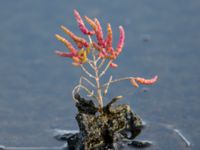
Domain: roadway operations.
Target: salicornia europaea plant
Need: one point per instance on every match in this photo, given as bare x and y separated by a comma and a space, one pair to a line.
98, 54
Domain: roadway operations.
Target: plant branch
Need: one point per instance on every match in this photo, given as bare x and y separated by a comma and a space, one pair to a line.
106, 68
86, 71
107, 86
97, 78
90, 62
117, 80
74, 91
101, 64
98, 59
99, 95
88, 81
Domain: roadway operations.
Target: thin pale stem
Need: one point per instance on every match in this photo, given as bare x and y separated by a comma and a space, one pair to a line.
106, 68
98, 59
90, 39
93, 50
88, 81
101, 64
107, 86
96, 77
117, 80
94, 56
87, 72
90, 62
90, 93
99, 95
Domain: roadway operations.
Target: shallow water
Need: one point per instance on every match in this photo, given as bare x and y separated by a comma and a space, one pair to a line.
162, 37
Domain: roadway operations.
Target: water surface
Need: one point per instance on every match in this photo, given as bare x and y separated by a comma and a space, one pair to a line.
35, 85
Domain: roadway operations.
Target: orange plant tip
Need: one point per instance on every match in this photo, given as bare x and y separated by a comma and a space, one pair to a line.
108, 41
76, 64
80, 42
76, 59
62, 27
147, 81
91, 23
57, 36
81, 24
61, 39
66, 43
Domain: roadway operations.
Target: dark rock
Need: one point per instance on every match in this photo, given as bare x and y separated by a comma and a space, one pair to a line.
140, 144
110, 129
85, 106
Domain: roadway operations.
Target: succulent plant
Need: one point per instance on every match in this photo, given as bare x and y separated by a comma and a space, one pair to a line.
99, 53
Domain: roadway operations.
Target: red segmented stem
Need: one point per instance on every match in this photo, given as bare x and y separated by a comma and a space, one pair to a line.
80, 42
98, 30
67, 44
146, 81
64, 54
81, 24
121, 40
109, 37
97, 47
99, 33
91, 23
103, 54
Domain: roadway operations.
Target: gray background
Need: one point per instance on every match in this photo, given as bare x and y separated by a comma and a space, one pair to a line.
35, 85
